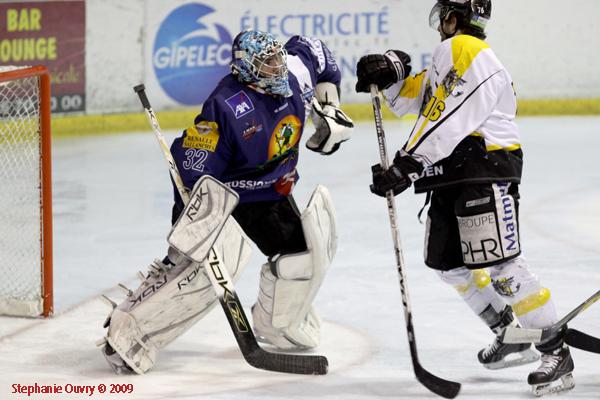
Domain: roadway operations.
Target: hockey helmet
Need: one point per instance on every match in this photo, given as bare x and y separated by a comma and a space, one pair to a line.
473, 14
258, 59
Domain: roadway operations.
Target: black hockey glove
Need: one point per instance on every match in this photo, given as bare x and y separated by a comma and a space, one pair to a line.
382, 70
398, 177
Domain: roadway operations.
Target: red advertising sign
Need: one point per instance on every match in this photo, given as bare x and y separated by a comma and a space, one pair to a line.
49, 33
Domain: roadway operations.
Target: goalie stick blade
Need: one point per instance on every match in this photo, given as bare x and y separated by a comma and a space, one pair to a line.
255, 355
439, 386
287, 363
582, 341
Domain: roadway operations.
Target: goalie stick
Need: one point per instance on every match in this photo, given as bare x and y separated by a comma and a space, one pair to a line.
223, 286
437, 385
572, 337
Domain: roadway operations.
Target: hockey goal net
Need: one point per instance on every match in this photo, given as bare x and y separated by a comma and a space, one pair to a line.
25, 197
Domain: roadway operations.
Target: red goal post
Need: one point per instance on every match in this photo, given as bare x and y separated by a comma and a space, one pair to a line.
26, 195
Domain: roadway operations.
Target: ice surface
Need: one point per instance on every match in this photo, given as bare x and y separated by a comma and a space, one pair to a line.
112, 201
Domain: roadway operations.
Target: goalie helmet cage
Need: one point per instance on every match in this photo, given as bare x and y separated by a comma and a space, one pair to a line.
26, 195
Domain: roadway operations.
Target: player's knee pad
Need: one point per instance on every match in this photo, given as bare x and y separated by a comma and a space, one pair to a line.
169, 301
283, 314
474, 286
519, 287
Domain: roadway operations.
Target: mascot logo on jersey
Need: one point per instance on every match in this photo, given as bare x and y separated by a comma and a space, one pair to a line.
506, 287
452, 81
285, 138
190, 49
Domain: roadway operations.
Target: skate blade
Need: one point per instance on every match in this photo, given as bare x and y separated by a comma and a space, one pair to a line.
513, 360
566, 382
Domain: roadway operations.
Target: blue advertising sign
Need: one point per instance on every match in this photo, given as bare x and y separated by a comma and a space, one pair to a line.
191, 53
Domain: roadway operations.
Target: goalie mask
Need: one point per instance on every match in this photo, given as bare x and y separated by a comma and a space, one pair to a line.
471, 14
260, 60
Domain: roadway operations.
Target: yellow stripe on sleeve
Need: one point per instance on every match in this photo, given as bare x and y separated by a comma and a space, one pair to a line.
412, 86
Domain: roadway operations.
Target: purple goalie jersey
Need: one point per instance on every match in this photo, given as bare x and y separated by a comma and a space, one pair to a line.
249, 140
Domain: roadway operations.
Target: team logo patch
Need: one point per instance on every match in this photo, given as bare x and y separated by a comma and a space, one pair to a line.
251, 130
204, 136
452, 81
506, 286
285, 137
240, 104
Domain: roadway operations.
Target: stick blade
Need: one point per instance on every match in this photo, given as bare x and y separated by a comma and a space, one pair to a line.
439, 386
582, 341
288, 363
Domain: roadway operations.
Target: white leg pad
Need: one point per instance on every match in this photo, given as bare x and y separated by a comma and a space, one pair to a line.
519, 287
474, 286
170, 301
283, 314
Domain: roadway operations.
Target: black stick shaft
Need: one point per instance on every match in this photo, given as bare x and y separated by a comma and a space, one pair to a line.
141, 91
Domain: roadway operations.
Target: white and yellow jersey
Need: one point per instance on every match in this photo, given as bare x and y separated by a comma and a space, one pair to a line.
465, 100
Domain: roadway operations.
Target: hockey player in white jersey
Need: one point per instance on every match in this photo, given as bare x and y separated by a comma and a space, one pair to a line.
465, 153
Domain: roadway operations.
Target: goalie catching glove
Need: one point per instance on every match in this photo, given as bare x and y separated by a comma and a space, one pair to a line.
332, 125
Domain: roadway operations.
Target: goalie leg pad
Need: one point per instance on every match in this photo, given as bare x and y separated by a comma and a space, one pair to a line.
170, 301
283, 314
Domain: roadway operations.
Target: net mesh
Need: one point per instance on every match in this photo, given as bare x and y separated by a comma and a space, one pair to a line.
20, 195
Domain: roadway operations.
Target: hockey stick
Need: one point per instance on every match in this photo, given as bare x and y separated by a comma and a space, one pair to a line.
223, 286
541, 336
437, 385
582, 341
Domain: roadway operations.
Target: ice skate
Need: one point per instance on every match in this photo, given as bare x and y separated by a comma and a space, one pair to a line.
115, 361
554, 375
500, 355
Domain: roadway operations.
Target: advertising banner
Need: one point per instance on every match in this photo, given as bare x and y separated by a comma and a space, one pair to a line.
188, 43
52, 34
